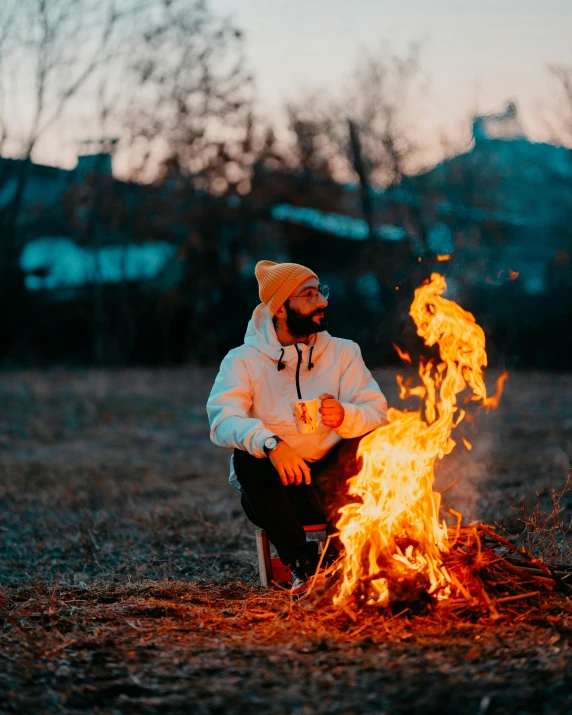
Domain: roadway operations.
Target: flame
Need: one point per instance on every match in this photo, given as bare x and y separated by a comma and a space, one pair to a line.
392, 532
467, 444
493, 400
402, 354
502, 277
444, 257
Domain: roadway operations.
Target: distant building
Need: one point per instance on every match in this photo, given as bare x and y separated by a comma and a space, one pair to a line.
507, 202
45, 188
59, 264
505, 125
51, 228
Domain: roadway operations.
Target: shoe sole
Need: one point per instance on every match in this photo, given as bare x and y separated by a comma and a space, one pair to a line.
299, 590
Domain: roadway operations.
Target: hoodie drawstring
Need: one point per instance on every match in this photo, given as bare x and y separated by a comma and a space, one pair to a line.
298, 372
281, 366
310, 363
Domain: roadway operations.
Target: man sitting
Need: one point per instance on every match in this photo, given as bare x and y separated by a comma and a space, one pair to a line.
288, 479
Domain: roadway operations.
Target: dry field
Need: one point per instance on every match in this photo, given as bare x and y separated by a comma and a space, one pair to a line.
128, 580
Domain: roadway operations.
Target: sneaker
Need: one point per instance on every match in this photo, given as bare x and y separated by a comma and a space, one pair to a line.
299, 580
304, 567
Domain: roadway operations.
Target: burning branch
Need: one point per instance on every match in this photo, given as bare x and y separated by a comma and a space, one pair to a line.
486, 572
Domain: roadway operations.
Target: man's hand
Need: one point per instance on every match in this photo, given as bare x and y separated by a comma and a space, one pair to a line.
291, 468
332, 411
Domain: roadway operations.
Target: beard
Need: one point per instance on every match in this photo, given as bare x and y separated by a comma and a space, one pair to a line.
302, 325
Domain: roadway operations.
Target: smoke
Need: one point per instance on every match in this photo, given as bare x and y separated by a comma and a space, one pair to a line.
470, 470
521, 451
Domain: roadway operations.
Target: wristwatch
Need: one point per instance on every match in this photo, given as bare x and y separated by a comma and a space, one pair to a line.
271, 443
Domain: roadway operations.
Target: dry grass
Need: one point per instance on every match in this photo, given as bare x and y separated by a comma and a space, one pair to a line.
129, 581
548, 533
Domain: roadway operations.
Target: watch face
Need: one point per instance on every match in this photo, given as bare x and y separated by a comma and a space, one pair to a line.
270, 443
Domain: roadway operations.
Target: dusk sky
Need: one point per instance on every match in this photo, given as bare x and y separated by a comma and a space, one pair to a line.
477, 53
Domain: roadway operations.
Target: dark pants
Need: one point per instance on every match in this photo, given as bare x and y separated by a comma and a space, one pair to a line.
282, 511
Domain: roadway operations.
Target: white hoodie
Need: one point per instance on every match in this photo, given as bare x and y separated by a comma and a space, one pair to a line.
250, 399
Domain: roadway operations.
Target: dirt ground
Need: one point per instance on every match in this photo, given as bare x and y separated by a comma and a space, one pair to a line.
128, 579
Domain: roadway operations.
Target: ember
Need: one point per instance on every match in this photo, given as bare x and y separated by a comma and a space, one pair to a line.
396, 544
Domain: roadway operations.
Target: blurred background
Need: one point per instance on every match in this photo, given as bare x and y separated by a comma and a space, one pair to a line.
152, 151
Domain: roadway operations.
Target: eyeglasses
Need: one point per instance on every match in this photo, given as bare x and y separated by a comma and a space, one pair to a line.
311, 294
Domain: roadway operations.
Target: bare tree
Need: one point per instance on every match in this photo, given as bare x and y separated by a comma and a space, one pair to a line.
380, 101
57, 49
8, 14
186, 123
559, 123
318, 142
560, 175
192, 96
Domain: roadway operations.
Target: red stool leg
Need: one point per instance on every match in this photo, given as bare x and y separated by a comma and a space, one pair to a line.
264, 560
272, 569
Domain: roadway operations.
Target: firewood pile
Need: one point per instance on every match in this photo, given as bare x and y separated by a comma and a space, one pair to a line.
490, 576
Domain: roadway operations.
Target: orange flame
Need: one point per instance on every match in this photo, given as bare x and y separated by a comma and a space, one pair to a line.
392, 532
493, 400
402, 354
467, 444
444, 257
513, 275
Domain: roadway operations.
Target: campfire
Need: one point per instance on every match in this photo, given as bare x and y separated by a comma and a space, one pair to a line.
399, 551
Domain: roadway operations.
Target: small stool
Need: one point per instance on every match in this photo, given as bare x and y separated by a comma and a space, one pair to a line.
272, 569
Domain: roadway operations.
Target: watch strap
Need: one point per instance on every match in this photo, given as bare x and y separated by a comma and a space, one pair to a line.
265, 448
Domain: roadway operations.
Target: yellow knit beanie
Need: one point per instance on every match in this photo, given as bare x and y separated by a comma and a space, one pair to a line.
277, 281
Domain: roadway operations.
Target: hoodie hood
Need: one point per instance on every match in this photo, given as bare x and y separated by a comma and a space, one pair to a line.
260, 334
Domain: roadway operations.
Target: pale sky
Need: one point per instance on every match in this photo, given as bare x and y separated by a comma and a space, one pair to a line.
477, 53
